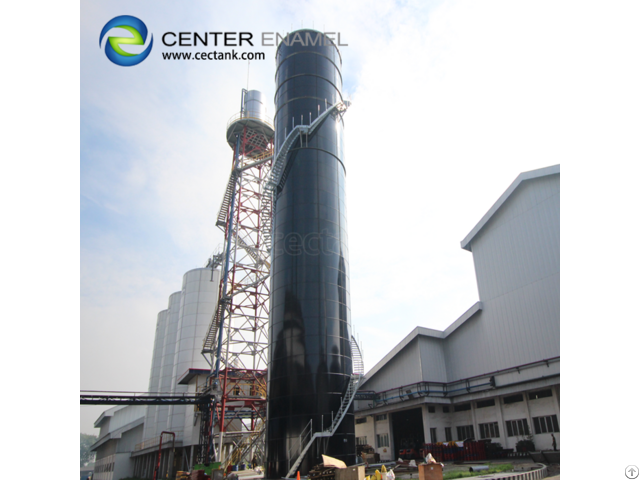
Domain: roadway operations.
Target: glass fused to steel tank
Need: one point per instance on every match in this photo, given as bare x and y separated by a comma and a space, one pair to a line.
310, 326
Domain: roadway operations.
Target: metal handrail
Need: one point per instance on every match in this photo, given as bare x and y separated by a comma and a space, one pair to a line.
245, 115
345, 403
302, 439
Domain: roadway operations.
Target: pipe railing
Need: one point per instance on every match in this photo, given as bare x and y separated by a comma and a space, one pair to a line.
248, 116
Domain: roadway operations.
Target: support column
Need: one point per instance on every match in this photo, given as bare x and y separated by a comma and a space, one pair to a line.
525, 396
170, 468
556, 396
426, 424
556, 404
392, 444
474, 422
375, 434
503, 425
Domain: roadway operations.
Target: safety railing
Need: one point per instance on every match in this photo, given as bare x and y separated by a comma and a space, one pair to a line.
248, 116
304, 439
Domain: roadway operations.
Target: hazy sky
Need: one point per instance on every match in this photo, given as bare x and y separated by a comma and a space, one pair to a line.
451, 101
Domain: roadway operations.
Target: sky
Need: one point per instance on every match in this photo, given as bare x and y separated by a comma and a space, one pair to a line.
451, 100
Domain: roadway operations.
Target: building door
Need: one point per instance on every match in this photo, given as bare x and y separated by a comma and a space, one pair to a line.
408, 433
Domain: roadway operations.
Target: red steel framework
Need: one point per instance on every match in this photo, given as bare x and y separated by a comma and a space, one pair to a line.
236, 345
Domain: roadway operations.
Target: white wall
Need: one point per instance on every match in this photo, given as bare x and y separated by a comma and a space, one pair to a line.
438, 420
199, 297
154, 376
499, 412
381, 427
403, 369
432, 357
168, 353
125, 416
517, 262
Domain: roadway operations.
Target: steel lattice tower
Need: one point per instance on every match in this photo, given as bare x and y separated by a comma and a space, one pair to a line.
236, 344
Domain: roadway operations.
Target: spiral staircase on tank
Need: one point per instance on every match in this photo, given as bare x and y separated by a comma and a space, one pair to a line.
276, 177
274, 168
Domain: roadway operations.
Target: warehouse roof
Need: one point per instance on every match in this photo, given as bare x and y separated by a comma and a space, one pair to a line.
428, 332
116, 434
541, 172
106, 414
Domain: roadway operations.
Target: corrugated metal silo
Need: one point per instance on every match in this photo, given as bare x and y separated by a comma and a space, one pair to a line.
154, 377
168, 354
198, 302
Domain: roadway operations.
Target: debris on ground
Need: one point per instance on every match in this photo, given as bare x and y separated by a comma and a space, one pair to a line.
322, 472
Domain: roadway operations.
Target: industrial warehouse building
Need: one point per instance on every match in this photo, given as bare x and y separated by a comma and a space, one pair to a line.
120, 430
494, 373
177, 367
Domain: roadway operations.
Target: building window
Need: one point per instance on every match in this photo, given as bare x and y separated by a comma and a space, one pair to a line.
431, 409
517, 428
548, 424
361, 440
485, 403
434, 437
361, 420
465, 431
382, 440
447, 434
512, 399
489, 430
462, 408
445, 409
540, 394
379, 418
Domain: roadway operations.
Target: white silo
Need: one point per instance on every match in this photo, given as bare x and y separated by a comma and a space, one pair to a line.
168, 353
199, 299
154, 376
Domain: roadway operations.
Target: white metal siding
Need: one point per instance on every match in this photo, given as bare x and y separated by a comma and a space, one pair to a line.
433, 359
404, 369
198, 301
126, 415
130, 439
168, 352
517, 261
154, 380
521, 242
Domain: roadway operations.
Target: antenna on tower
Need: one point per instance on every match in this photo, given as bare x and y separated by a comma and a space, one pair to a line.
248, 66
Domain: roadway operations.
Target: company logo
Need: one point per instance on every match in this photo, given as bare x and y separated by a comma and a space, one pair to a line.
112, 47
632, 472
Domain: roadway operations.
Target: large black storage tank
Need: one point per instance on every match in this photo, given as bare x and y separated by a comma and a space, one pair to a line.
310, 325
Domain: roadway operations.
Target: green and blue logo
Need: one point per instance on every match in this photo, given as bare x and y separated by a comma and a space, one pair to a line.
112, 48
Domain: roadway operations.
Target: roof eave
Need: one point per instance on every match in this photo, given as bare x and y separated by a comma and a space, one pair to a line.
541, 172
